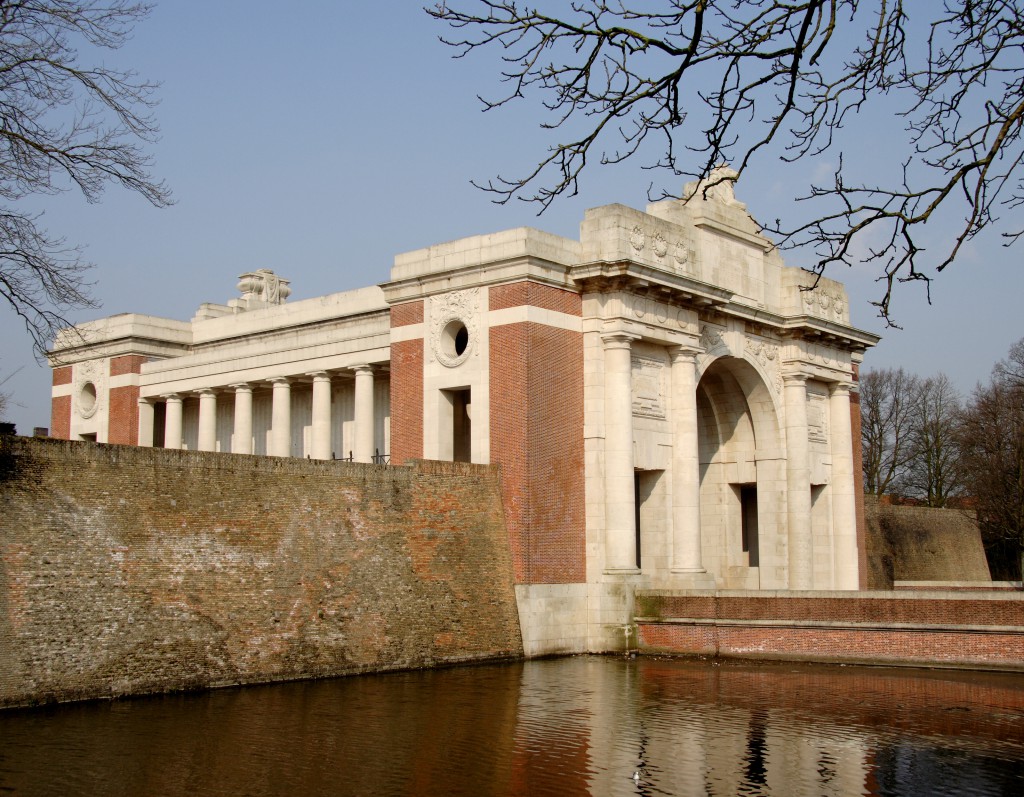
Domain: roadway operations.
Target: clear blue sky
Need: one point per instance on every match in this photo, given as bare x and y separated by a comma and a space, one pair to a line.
320, 139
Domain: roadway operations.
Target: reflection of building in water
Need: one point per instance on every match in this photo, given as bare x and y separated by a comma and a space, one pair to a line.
689, 728
669, 404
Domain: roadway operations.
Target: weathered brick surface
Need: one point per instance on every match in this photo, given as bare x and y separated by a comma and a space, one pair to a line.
405, 314
126, 364
406, 400
62, 376
123, 416
60, 417
536, 392
533, 294
127, 570
985, 632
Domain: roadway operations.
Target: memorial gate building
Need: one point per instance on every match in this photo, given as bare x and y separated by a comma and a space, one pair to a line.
669, 404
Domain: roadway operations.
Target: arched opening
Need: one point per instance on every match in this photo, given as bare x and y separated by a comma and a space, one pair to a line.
742, 475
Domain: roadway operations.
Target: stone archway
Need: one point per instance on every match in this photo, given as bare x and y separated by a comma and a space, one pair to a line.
742, 477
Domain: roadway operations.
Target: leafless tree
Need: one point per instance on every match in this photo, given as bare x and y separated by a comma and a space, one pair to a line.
887, 405
933, 473
64, 124
991, 439
688, 84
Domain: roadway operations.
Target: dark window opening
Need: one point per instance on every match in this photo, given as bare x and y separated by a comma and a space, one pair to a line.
748, 510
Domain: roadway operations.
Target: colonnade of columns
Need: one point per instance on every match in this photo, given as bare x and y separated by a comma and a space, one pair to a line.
686, 556
280, 442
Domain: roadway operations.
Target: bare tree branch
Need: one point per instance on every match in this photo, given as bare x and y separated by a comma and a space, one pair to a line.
64, 124
733, 80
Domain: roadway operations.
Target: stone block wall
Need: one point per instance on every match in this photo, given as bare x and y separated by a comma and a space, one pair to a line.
977, 631
131, 570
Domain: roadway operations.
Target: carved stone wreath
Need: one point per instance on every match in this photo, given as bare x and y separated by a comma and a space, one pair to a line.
460, 308
86, 377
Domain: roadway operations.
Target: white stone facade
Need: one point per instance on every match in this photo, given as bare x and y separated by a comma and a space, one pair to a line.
669, 404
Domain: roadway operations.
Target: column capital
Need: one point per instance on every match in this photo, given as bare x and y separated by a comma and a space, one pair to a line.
147, 400
683, 352
280, 380
241, 387
795, 379
839, 388
321, 375
365, 368
172, 397
207, 391
618, 339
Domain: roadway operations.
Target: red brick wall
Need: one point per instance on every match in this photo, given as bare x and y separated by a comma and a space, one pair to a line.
406, 400
126, 364
60, 417
123, 415
964, 631
516, 294
405, 314
62, 376
536, 418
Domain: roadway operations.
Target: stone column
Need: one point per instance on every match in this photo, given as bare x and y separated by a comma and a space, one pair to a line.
207, 420
281, 419
241, 439
321, 443
686, 546
364, 414
844, 496
172, 421
798, 484
146, 412
619, 504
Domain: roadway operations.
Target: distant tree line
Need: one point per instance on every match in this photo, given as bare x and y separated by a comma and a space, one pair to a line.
925, 443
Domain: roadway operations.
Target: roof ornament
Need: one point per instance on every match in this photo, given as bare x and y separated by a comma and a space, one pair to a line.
261, 288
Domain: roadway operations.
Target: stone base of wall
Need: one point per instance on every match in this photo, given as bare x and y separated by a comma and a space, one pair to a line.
553, 618
133, 570
930, 629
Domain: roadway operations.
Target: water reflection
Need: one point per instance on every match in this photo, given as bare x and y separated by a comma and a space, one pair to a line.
585, 725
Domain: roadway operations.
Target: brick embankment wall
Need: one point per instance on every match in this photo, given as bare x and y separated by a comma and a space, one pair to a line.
130, 570
979, 631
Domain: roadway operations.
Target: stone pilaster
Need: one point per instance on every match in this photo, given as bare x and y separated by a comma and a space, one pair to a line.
798, 484
686, 542
619, 500
844, 496
146, 422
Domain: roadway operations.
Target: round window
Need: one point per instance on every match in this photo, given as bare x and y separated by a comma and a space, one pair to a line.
454, 343
87, 399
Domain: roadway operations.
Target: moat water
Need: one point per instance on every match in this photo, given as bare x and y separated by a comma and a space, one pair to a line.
583, 725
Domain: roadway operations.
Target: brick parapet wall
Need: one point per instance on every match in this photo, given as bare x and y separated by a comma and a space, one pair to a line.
131, 570
922, 628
